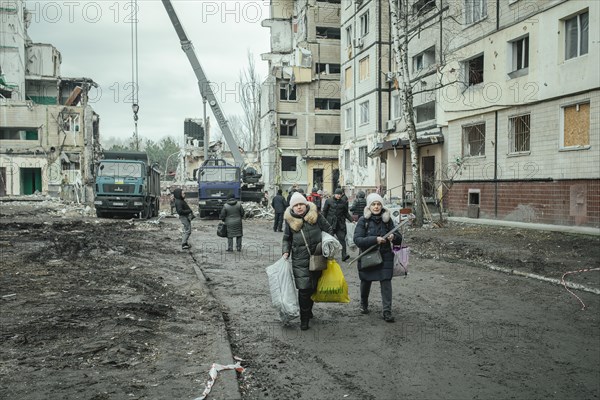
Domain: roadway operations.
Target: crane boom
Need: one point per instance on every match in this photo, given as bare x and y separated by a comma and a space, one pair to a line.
204, 85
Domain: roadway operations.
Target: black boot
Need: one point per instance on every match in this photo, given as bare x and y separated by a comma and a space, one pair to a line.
304, 321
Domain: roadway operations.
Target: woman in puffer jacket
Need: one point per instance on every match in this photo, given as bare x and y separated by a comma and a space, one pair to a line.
302, 217
373, 229
358, 205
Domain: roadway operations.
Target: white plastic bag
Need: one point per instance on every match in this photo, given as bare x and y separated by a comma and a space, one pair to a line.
350, 235
330, 245
283, 290
401, 256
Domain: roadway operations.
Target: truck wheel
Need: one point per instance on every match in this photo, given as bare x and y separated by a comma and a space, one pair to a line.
156, 208
99, 214
146, 212
201, 213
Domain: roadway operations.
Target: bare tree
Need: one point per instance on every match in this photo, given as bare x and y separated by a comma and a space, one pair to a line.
406, 26
250, 98
240, 132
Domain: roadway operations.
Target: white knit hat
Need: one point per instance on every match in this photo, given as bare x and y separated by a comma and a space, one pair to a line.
373, 197
297, 198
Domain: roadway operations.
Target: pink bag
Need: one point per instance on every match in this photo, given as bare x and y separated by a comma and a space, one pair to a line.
401, 254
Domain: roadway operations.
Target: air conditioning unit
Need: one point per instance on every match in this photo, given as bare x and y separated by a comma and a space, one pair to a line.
358, 42
390, 125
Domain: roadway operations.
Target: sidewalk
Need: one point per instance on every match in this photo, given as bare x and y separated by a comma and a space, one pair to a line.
526, 225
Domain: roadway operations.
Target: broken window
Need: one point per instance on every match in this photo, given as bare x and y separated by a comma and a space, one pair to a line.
288, 163
424, 59
423, 6
71, 123
327, 68
474, 70
327, 138
575, 127
519, 131
425, 112
327, 104
287, 127
474, 140
287, 91
19, 134
324, 32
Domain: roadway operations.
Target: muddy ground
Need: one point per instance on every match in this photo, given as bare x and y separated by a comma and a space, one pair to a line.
113, 309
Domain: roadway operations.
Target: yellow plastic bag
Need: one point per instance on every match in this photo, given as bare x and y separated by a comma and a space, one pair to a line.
332, 286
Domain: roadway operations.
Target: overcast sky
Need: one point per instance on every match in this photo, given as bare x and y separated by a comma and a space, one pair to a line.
94, 39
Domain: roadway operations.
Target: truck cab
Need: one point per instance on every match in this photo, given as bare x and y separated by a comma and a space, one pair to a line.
126, 185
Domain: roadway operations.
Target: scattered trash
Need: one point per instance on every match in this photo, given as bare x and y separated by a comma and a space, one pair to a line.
214, 372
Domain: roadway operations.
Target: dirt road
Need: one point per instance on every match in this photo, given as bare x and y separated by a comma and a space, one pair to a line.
113, 309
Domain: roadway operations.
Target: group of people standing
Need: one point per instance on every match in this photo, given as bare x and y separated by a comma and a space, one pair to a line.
302, 233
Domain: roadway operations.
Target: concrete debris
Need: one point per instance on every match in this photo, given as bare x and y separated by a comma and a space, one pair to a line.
255, 210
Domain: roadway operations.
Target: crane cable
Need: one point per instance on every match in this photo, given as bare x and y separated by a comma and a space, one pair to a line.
134, 70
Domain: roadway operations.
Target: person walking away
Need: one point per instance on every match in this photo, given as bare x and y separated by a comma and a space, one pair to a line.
315, 197
232, 214
301, 217
371, 229
279, 205
358, 205
292, 190
336, 212
186, 215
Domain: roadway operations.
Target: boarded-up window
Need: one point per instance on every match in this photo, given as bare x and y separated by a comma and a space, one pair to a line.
348, 78
576, 125
363, 68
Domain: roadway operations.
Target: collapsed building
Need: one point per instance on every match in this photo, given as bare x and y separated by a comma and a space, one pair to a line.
49, 134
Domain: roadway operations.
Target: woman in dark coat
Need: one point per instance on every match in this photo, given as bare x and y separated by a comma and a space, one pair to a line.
232, 214
302, 217
358, 205
372, 229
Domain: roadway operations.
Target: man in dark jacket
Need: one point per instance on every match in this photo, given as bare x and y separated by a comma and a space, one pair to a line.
186, 215
358, 206
336, 212
232, 214
279, 205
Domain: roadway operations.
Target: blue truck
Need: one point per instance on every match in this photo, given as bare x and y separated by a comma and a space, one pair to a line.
217, 180
126, 184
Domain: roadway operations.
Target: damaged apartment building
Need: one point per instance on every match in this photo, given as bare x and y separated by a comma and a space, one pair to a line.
300, 101
48, 131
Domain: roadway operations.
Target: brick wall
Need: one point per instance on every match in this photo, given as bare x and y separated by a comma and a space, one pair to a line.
567, 202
